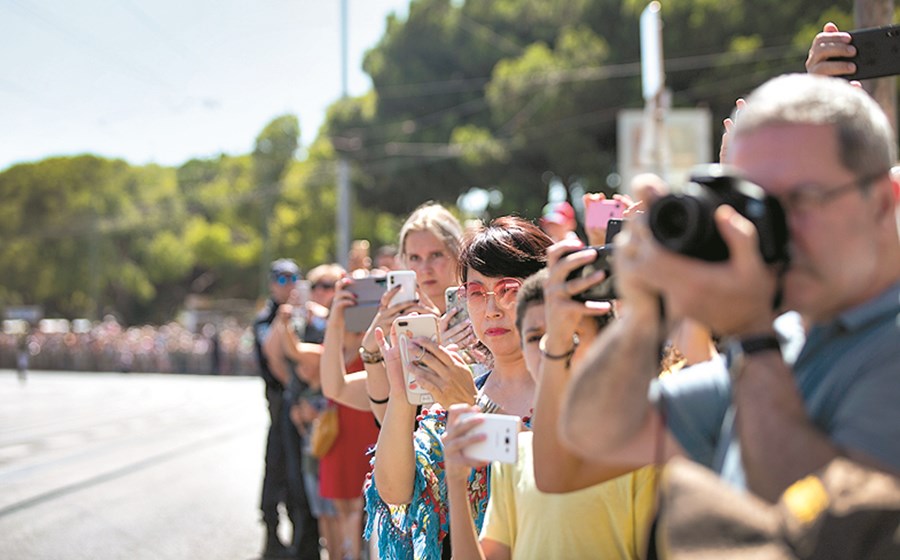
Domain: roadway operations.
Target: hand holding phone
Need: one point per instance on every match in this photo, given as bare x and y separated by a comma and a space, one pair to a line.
501, 433
407, 328
406, 279
598, 213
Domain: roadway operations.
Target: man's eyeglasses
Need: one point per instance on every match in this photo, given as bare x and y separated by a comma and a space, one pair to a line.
285, 279
475, 294
809, 197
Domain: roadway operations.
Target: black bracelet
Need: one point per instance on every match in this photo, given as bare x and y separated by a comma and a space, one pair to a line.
740, 349
379, 401
542, 345
760, 343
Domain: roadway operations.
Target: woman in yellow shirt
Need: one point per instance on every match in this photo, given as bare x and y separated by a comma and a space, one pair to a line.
606, 520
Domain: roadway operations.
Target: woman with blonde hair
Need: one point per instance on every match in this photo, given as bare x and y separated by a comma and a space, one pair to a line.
429, 244
407, 502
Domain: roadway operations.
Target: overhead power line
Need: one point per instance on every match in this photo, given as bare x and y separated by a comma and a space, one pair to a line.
392, 131
620, 70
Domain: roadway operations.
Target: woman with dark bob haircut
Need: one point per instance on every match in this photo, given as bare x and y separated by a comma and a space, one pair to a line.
407, 499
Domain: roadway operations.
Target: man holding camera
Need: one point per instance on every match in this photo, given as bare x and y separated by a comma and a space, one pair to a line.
824, 150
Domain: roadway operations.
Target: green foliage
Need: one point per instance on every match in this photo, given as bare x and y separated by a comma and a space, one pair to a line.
502, 93
166, 257
86, 235
74, 229
274, 150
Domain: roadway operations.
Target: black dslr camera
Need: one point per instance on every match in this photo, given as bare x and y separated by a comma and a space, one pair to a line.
684, 223
605, 290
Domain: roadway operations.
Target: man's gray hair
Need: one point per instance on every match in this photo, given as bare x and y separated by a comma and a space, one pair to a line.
865, 137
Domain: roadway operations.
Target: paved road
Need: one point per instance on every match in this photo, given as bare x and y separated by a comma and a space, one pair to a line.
109, 466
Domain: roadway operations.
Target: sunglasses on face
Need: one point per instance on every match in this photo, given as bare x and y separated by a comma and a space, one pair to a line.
323, 286
475, 294
285, 279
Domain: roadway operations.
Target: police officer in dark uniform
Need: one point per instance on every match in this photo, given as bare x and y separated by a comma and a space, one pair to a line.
280, 484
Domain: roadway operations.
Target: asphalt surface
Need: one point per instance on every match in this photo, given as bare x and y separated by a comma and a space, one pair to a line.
131, 466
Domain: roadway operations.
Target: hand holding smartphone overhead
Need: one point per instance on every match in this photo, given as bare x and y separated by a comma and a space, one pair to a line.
407, 328
406, 279
598, 213
877, 52
501, 438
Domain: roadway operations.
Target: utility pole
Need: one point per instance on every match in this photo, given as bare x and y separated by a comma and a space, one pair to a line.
876, 13
653, 150
342, 244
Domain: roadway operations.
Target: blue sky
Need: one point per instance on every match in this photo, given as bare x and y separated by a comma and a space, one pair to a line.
167, 80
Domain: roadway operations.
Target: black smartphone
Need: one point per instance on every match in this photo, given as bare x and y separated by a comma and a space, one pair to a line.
604, 291
613, 227
877, 52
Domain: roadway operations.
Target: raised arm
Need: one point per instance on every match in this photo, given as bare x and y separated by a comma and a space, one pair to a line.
607, 416
394, 471
464, 537
376, 381
337, 385
305, 355
556, 468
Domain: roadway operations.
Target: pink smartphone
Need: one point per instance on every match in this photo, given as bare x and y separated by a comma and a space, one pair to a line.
598, 213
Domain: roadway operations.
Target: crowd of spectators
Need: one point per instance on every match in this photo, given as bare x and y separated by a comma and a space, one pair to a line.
109, 346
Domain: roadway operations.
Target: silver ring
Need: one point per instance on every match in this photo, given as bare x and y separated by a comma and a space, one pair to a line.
419, 358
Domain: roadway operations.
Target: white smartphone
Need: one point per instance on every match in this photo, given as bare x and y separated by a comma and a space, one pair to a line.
408, 327
502, 442
406, 279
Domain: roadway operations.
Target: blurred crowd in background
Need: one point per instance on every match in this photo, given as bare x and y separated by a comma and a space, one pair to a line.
81, 345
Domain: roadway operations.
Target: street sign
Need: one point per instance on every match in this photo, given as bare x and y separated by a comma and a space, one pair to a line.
688, 142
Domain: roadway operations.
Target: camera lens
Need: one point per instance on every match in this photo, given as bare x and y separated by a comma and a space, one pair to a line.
685, 222
674, 218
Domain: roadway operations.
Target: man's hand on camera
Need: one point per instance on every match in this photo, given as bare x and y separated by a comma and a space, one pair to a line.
730, 297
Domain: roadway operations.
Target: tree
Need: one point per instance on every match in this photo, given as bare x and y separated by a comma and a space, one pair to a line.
72, 227
274, 152
499, 94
